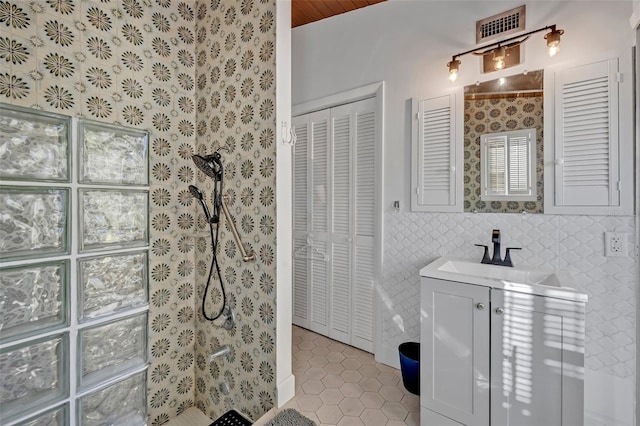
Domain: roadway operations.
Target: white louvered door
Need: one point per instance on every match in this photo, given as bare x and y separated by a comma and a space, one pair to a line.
341, 209
436, 155
586, 135
364, 236
310, 220
339, 186
300, 222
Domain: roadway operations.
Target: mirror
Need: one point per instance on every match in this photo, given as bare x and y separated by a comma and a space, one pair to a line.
503, 105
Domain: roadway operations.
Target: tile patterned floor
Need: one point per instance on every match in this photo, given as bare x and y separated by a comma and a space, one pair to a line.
337, 384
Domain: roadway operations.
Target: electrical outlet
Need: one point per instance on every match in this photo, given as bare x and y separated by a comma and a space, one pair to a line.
615, 244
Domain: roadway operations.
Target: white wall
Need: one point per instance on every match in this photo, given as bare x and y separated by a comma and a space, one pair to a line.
407, 44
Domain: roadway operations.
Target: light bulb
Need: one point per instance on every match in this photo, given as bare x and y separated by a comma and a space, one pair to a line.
453, 69
498, 57
553, 40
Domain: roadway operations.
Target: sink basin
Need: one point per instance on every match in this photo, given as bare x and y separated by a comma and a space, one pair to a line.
538, 281
502, 273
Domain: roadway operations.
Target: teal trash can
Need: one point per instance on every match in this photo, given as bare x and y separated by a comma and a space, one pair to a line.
410, 366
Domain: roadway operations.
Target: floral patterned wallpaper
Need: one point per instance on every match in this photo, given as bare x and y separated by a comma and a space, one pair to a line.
500, 114
235, 79
186, 71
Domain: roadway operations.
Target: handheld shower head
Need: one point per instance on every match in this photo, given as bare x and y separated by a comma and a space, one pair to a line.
197, 194
210, 165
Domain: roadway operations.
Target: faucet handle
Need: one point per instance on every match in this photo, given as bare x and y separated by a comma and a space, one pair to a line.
485, 256
507, 256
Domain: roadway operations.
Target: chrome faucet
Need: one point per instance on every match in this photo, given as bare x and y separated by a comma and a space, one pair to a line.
497, 259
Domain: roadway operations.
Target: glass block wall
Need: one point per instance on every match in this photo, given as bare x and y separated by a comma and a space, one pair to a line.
73, 270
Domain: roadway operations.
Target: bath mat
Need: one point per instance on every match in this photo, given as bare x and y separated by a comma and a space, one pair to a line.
290, 417
231, 418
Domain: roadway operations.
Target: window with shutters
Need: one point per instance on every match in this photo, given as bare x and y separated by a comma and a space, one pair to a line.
508, 162
436, 155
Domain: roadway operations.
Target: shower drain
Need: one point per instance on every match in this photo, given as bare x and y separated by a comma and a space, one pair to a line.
231, 418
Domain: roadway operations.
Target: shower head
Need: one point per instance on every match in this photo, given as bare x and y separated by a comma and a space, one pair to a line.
210, 165
197, 194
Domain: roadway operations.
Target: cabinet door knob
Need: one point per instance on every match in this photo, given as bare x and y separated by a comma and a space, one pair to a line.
480, 306
499, 311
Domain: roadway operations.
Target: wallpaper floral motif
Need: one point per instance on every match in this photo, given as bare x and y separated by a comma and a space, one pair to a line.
495, 115
184, 70
235, 111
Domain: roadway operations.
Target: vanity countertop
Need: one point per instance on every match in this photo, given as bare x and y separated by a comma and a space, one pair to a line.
541, 282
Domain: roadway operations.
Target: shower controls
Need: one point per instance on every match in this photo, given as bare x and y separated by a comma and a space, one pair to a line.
219, 352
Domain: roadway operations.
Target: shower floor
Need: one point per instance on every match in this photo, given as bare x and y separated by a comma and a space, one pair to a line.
337, 384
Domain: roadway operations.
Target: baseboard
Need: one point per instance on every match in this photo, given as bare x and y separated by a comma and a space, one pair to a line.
388, 356
608, 400
286, 390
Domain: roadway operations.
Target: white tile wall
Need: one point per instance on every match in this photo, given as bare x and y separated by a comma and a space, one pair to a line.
572, 243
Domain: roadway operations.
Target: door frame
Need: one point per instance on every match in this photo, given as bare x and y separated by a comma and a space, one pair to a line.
376, 91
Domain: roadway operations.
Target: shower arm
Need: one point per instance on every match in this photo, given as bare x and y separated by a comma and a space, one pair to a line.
246, 257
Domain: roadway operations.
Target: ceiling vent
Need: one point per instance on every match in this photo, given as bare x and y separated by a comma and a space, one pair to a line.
500, 25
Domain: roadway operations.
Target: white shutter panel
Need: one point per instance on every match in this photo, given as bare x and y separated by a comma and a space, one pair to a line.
319, 286
301, 266
587, 136
365, 172
300, 283
318, 238
341, 212
319, 183
363, 254
519, 160
341, 293
495, 170
341, 158
436, 134
363, 292
300, 174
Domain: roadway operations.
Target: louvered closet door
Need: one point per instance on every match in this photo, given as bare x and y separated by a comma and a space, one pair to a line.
301, 265
319, 222
587, 135
310, 221
341, 209
352, 218
364, 225
333, 295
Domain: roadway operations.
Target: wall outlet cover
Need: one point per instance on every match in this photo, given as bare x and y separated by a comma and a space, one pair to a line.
615, 244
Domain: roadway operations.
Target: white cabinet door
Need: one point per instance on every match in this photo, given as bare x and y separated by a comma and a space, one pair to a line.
437, 154
537, 358
587, 166
454, 353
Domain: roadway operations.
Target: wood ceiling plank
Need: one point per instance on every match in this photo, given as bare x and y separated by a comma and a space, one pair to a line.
307, 11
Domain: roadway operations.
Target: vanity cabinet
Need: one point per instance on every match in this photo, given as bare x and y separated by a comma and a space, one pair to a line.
498, 357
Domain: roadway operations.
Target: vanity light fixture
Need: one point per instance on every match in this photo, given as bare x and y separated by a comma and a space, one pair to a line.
499, 51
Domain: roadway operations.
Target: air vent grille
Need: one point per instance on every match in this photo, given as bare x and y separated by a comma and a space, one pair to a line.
502, 24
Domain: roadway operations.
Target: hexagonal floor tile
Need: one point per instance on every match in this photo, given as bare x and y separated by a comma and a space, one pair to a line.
391, 393
394, 410
309, 403
351, 390
371, 400
351, 407
372, 417
329, 414
332, 396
